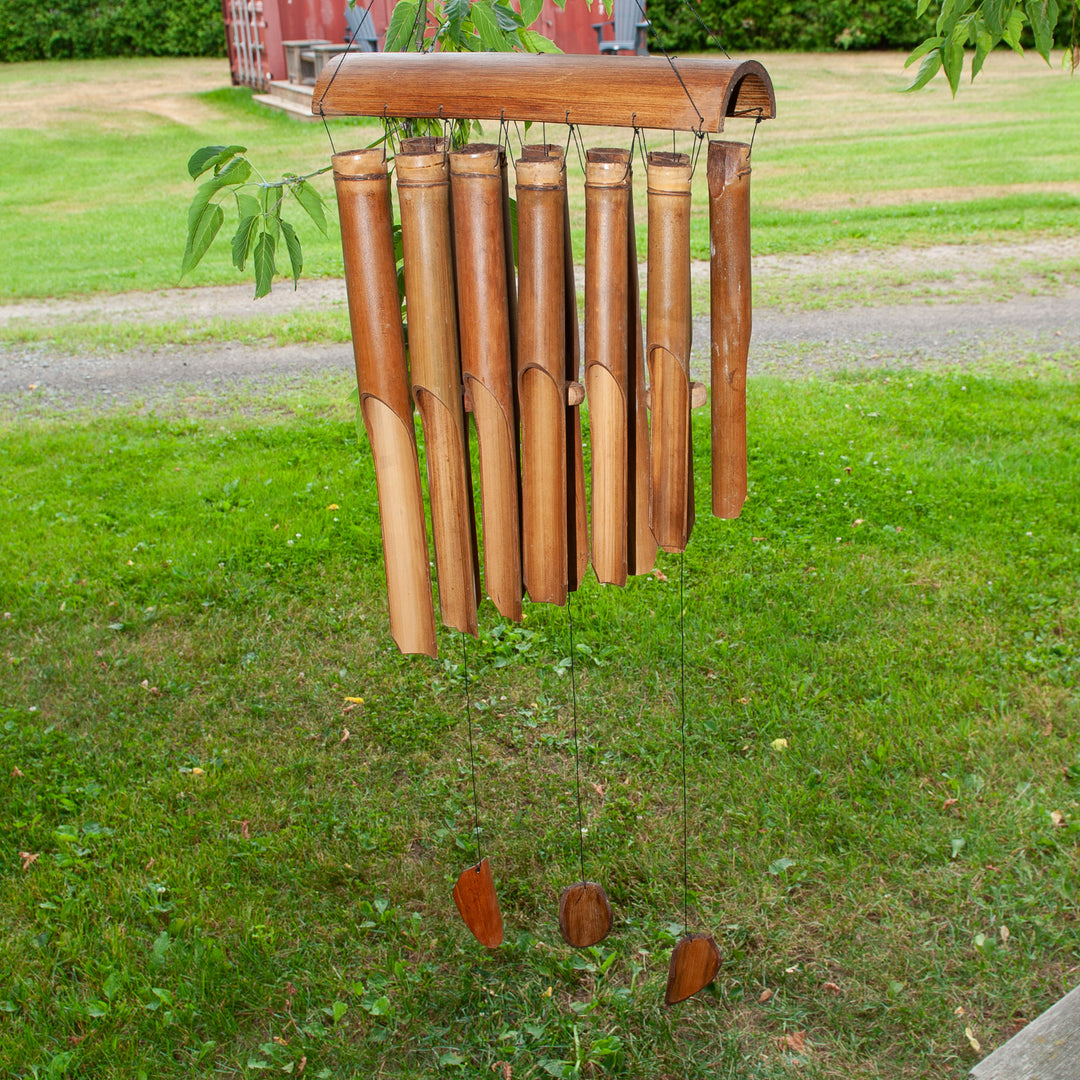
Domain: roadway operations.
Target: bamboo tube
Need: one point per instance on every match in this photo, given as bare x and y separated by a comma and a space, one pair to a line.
668, 333
424, 199
608, 345
478, 175
363, 193
641, 544
541, 193
730, 320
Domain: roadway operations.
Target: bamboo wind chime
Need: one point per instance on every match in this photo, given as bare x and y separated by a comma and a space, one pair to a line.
503, 345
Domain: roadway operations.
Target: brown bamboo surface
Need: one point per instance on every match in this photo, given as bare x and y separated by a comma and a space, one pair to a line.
608, 354
668, 333
423, 180
730, 320
541, 194
695, 960
363, 193
484, 303
476, 900
622, 91
585, 916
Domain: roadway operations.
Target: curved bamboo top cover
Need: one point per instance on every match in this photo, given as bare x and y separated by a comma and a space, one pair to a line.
363, 187
730, 319
485, 290
619, 91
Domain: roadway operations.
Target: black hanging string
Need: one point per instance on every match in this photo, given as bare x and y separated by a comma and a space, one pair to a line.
333, 76
671, 60
706, 28
682, 710
577, 754
472, 757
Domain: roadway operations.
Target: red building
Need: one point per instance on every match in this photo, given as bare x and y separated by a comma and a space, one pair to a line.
256, 30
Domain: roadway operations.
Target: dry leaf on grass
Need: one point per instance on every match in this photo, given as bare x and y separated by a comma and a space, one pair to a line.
345, 736
29, 858
16, 773
972, 1041
796, 1041
1058, 818
504, 1066
765, 995
831, 987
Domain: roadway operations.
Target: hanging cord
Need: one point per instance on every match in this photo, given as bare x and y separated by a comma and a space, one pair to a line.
671, 60
682, 709
753, 134
707, 29
333, 76
577, 754
472, 757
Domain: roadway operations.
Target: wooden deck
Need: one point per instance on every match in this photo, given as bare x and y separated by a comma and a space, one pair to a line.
1047, 1049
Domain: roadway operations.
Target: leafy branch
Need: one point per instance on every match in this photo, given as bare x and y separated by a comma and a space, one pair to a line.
261, 226
985, 24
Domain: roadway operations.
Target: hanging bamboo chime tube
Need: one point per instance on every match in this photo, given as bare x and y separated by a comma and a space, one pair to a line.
730, 319
550, 450
485, 293
363, 193
668, 332
423, 181
609, 353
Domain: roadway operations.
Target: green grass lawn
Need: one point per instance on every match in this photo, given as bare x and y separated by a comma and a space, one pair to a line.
220, 881
98, 194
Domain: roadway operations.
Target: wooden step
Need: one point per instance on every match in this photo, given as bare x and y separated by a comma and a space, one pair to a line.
285, 105
295, 92
1047, 1049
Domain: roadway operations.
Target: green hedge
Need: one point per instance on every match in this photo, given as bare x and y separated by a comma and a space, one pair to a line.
747, 25
65, 29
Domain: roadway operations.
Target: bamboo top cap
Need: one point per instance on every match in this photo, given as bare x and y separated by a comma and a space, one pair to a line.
669, 173
607, 168
541, 172
360, 164
477, 158
422, 160
622, 91
728, 161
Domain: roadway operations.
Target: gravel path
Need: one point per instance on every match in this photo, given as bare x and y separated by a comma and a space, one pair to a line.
1023, 329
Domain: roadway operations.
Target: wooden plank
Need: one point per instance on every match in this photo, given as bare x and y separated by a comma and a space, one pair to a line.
621, 91
1047, 1049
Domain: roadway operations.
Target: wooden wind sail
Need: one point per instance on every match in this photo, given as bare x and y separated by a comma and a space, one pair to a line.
423, 183
363, 192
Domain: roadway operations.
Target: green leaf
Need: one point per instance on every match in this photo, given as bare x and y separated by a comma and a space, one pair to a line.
265, 267
953, 61
450, 1060
1012, 30
201, 237
211, 157
535, 42
951, 10
509, 20
1043, 15
921, 50
312, 202
994, 13
244, 238
530, 11
780, 866
487, 25
113, 984
455, 12
920, 10
399, 29
296, 259
930, 66
984, 42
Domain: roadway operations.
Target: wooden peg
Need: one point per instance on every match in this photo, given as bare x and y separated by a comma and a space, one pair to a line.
478, 904
695, 960
575, 394
585, 916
